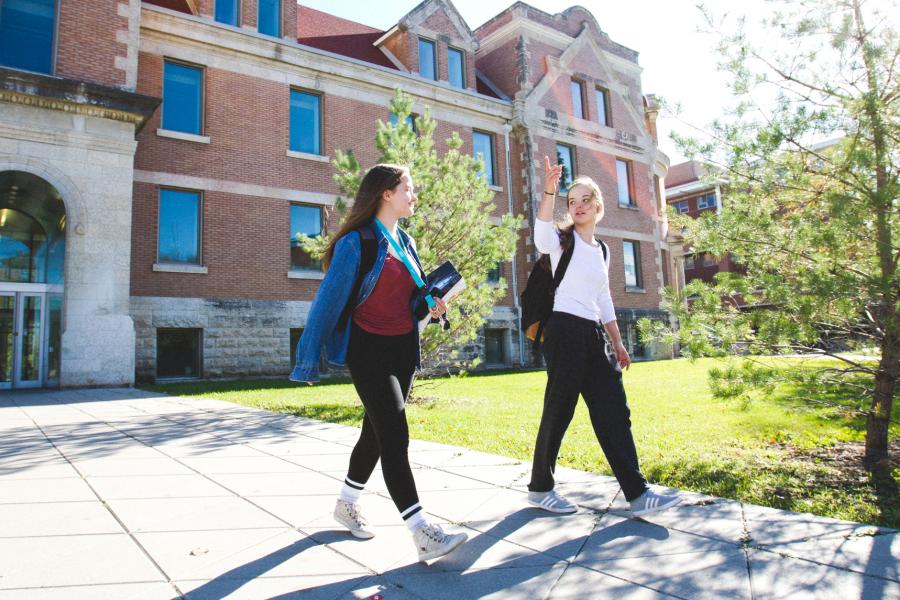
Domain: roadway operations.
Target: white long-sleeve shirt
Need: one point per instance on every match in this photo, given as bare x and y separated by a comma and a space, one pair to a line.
584, 290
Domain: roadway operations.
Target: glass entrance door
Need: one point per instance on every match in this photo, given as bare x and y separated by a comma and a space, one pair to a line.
7, 339
21, 339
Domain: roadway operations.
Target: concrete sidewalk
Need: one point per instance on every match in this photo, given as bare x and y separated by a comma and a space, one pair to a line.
119, 493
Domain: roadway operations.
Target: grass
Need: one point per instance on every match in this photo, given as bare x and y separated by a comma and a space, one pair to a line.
776, 452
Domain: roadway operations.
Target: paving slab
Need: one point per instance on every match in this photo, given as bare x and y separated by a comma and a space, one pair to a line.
669, 561
157, 486
877, 555
776, 577
61, 489
70, 560
56, 518
244, 554
191, 514
109, 591
317, 587
577, 581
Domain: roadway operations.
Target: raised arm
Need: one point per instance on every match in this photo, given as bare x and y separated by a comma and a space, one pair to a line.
546, 240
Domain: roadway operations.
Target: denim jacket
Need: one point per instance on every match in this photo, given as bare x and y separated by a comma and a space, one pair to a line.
322, 322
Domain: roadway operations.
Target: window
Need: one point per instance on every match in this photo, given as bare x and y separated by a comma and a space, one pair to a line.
227, 11
565, 156
706, 201
709, 260
179, 227
427, 59
456, 67
495, 274
632, 264
269, 17
688, 262
603, 112
483, 144
682, 206
623, 179
26, 34
306, 122
577, 98
177, 353
182, 98
410, 120
306, 220
495, 346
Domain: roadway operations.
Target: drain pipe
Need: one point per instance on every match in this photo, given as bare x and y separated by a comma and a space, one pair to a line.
515, 271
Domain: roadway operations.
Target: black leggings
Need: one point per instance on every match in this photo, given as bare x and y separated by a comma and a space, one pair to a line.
577, 365
383, 368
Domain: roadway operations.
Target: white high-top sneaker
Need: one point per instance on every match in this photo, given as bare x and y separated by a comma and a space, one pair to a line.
348, 515
431, 541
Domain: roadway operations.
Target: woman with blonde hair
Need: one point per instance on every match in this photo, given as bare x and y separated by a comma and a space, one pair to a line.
364, 314
575, 353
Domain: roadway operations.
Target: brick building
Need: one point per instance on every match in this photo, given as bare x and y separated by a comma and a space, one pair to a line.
689, 191
158, 157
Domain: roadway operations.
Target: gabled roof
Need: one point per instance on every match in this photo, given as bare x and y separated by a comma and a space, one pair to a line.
179, 5
341, 36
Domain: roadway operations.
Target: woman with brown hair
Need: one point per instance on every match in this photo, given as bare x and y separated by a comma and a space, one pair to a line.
366, 321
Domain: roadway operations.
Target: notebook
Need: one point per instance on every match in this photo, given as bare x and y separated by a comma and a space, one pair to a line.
445, 283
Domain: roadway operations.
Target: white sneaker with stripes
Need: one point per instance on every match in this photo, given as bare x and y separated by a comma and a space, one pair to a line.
348, 515
551, 502
651, 502
432, 541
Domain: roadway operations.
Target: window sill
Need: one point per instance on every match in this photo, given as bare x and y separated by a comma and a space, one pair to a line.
634, 290
181, 135
308, 156
172, 268
302, 274
495, 188
630, 206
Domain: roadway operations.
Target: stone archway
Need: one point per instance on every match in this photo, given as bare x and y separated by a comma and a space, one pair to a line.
32, 267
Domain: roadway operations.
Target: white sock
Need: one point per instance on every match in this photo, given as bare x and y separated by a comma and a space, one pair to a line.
414, 517
351, 491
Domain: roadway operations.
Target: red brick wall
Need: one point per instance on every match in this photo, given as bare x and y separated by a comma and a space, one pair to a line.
86, 43
239, 244
500, 66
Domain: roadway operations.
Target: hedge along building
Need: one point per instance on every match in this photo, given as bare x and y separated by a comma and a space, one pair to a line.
68, 116
256, 97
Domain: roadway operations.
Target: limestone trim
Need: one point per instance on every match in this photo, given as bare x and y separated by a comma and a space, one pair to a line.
68, 139
173, 268
421, 13
559, 67
181, 135
76, 209
78, 97
520, 25
70, 107
232, 187
131, 9
304, 274
308, 156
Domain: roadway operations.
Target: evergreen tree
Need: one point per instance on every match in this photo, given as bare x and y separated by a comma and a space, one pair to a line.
814, 225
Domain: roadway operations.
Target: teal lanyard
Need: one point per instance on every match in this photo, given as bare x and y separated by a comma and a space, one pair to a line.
404, 256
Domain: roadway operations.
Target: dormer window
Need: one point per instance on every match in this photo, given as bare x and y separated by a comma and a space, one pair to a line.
427, 59
456, 67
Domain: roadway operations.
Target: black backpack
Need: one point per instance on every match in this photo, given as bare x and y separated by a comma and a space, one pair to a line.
537, 297
369, 247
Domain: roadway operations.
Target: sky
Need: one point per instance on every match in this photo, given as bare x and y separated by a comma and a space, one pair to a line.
679, 63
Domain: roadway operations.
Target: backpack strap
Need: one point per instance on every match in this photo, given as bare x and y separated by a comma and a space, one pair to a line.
369, 252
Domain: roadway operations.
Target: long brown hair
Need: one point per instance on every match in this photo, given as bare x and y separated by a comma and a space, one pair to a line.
375, 183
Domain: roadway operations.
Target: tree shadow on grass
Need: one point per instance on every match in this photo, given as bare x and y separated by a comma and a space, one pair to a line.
342, 414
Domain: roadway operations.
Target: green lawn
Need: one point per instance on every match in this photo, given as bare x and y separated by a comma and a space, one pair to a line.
772, 452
